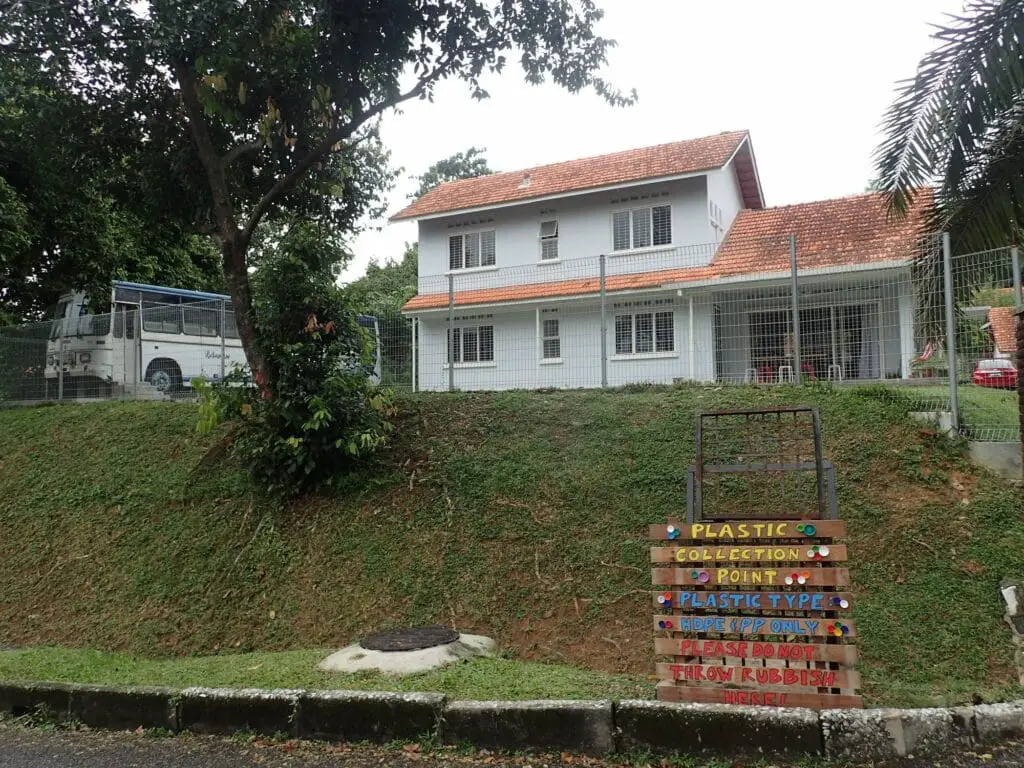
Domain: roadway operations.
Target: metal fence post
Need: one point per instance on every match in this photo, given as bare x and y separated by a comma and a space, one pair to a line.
60, 362
451, 333
947, 269
223, 331
1018, 292
604, 323
794, 288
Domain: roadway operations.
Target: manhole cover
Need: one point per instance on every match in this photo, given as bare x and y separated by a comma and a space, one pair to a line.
411, 639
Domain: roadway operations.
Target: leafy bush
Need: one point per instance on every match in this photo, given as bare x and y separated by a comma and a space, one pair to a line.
322, 415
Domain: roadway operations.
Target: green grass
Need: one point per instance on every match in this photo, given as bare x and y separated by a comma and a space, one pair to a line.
517, 515
987, 414
479, 679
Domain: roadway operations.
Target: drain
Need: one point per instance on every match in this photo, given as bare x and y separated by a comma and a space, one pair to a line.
411, 639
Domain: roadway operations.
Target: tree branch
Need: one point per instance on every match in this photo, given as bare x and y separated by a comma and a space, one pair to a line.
242, 149
342, 132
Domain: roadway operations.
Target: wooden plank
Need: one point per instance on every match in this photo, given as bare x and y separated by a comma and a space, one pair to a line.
750, 577
754, 649
752, 600
759, 677
748, 553
750, 530
783, 626
669, 691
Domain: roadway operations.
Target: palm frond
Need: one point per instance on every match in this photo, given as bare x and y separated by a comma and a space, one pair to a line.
934, 128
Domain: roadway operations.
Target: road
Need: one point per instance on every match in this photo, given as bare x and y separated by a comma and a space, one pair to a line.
47, 748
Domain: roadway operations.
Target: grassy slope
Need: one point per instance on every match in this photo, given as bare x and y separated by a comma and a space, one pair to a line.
518, 515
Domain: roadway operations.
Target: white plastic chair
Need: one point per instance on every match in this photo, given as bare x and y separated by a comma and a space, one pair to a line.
785, 374
751, 375
835, 372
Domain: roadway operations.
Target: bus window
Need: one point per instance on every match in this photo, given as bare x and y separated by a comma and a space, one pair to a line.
88, 324
59, 318
161, 318
200, 320
230, 329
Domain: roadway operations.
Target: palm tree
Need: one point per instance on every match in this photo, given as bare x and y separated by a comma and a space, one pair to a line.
959, 125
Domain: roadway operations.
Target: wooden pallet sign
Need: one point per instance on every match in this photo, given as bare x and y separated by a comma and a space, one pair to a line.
754, 612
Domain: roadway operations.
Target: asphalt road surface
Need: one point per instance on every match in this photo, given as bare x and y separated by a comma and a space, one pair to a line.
44, 748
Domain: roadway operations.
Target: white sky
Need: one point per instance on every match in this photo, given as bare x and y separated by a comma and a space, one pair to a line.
810, 79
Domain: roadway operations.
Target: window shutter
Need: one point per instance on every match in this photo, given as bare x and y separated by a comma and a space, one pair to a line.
487, 250
620, 231
661, 217
472, 249
455, 252
641, 227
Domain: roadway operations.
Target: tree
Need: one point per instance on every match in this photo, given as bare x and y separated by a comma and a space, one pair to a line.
280, 98
461, 165
960, 122
382, 292
70, 215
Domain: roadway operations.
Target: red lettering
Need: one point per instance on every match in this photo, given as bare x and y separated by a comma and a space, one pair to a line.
747, 675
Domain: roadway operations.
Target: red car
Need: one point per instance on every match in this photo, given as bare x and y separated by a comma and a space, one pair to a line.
995, 373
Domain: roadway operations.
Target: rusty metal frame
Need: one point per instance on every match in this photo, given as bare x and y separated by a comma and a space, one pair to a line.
824, 471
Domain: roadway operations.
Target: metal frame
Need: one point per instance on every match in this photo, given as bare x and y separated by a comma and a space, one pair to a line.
828, 507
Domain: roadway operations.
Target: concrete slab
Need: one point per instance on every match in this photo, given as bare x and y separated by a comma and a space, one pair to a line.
124, 708
718, 729
996, 723
20, 699
355, 658
1001, 458
228, 710
368, 715
575, 726
883, 734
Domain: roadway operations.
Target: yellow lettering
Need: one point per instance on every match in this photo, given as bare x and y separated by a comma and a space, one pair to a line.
725, 532
680, 555
697, 530
744, 531
759, 530
770, 575
755, 577
721, 576
781, 530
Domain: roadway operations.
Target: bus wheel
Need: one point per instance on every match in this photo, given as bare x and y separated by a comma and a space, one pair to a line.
165, 376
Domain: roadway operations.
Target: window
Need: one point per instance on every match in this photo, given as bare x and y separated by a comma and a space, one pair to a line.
642, 227
124, 321
548, 240
158, 317
551, 344
472, 249
201, 321
644, 332
472, 344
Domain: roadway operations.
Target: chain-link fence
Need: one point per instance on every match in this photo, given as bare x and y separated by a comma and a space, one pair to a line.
934, 328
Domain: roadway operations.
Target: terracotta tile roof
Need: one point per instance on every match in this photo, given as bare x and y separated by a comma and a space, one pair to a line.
605, 170
849, 231
1004, 330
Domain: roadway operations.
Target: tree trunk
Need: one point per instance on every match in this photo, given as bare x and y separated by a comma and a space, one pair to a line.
236, 274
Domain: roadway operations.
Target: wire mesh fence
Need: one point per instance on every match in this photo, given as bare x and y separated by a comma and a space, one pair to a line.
934, 328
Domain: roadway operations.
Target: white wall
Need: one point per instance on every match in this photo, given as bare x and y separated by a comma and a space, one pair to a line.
585, 231
724, 191
517, 363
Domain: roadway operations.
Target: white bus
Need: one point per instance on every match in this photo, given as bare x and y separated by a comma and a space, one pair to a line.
182, 335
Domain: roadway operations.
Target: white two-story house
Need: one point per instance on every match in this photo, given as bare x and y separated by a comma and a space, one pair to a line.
656, 265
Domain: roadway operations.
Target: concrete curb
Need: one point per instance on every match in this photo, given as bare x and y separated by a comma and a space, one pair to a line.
592, 727
574, 726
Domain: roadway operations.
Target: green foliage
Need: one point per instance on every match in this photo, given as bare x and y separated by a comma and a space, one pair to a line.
323, 416
961, 120
240, 112
461, 165
382, 292
72, 214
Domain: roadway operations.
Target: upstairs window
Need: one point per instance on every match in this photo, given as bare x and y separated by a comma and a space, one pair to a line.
471, 250
549, 240
642, 227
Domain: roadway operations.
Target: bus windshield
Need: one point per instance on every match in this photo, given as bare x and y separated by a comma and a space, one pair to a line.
79, 321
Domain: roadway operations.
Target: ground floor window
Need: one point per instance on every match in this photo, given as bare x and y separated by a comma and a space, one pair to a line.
644, 332
472, 344
551, 342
